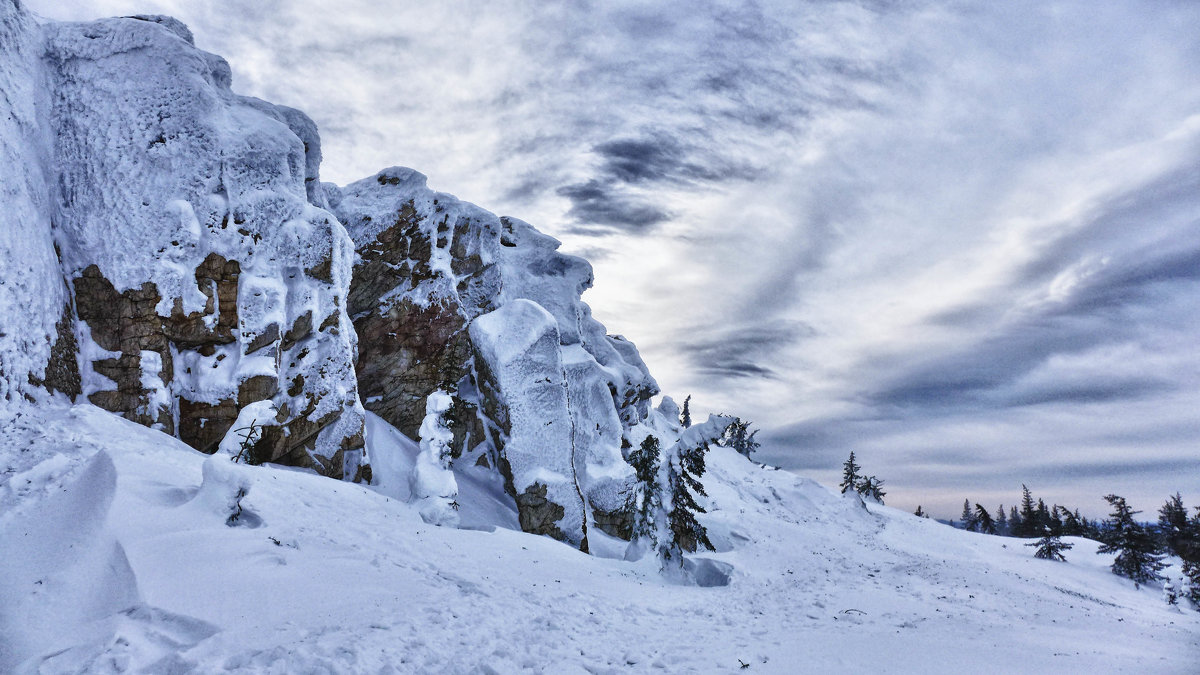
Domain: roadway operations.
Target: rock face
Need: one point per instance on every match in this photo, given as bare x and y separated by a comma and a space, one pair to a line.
447, 296
202, 271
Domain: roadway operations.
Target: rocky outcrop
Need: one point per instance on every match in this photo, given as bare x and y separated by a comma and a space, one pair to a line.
202, 271
447, 296
188, 272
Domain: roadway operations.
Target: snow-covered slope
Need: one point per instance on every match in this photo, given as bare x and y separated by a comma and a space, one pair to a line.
127, 562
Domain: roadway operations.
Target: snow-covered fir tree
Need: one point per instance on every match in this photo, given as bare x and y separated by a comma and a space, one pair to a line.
967, 517
1027, 525
739, 437
871, 488
645, 500
1189, 551
920, 513
1072, 525
1191, 582
850, 477
1056, 521
685, 415
1173, 524
1043, 517
1136, 550
684, 486
1001, 521
432, 483
1050, 547
666, 500
983, 520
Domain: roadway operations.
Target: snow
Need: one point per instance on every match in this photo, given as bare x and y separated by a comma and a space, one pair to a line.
431, 482
339, 577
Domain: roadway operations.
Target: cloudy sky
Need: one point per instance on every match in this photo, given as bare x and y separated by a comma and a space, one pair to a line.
959, 238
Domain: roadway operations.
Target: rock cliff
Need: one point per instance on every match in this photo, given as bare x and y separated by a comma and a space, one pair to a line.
448, 296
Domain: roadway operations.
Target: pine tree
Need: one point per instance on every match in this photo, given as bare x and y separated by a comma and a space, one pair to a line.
1190, 552
1056, 521
1137, 557
1001, 521
1173, 524
1050, 547
684, 485
850, 475
646, 499
871, 488
1029, 525
678, 482
968, 517
1191, 582
431, 482
685, 415
739, 437
920, 513
1014, 522
1071, 525
1043, 516
983, 520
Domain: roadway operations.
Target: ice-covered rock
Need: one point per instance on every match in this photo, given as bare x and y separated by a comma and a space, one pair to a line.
201, 272
448, 296
37, 342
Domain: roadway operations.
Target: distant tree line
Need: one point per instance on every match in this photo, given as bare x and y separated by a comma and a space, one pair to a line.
1140, 548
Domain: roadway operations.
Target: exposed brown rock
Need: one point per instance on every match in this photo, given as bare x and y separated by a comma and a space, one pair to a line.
62, 370
408, 350
263, 339
538, 515
256, 388
217, 279
128, 323
300, 329
203, 425
617, 523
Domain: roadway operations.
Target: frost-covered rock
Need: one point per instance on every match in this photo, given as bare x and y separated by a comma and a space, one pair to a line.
202, 271
37, 342
447, 296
